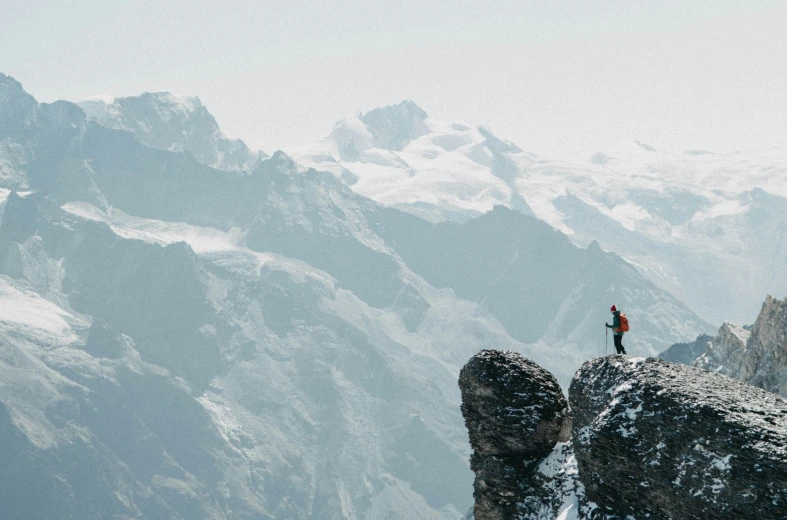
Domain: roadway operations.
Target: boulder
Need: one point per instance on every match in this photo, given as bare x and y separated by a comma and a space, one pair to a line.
659, 440
516, 413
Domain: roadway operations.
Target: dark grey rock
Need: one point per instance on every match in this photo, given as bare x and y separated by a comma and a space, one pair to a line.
659, 440
516, 413
21, 218
104, 341
651, 440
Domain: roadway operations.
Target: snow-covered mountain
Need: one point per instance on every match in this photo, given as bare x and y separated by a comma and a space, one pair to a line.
439, 171
174, 123
186, 342
709, 228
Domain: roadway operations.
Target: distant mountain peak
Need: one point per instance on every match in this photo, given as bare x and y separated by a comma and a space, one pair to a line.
176, 123
9, 85
16, 105
495, 143
405, 109
621, 150
394, 126
173, 102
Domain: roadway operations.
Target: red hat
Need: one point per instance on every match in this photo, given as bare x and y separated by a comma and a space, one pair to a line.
613, 308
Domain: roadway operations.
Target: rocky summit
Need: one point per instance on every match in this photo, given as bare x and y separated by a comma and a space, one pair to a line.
650, 439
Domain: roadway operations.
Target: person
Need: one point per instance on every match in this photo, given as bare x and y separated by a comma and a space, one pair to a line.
617, 332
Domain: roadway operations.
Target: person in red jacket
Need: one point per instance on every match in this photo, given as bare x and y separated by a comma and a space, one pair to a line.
617, 332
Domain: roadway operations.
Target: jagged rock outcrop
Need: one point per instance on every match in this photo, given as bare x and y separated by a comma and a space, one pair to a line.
756, 355
651, 439
766, 353
516, 414
724, 353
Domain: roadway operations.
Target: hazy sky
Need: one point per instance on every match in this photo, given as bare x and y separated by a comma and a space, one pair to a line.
559, 78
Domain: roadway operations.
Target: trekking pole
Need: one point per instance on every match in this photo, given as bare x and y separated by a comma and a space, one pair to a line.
606, 338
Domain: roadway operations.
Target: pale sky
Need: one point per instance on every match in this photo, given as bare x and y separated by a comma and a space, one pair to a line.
558, 78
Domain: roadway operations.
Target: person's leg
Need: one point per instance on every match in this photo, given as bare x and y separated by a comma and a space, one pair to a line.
618, 345
622, 348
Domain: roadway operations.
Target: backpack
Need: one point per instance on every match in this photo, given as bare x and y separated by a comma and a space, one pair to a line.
624, 323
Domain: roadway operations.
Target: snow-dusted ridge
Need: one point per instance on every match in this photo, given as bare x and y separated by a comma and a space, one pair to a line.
27, 313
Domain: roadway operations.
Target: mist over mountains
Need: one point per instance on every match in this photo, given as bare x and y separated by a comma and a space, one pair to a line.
192, 329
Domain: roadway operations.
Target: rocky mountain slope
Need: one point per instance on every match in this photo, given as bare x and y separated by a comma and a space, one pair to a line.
707, 227
156, 381
187, 342
649, 439
756, 355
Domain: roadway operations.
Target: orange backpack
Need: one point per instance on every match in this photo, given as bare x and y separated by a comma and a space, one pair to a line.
624, 323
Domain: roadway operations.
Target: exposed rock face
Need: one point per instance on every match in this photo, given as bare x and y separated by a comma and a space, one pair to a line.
756, 355
651, 439
766, 356
655, 439
515, 413
724, 353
